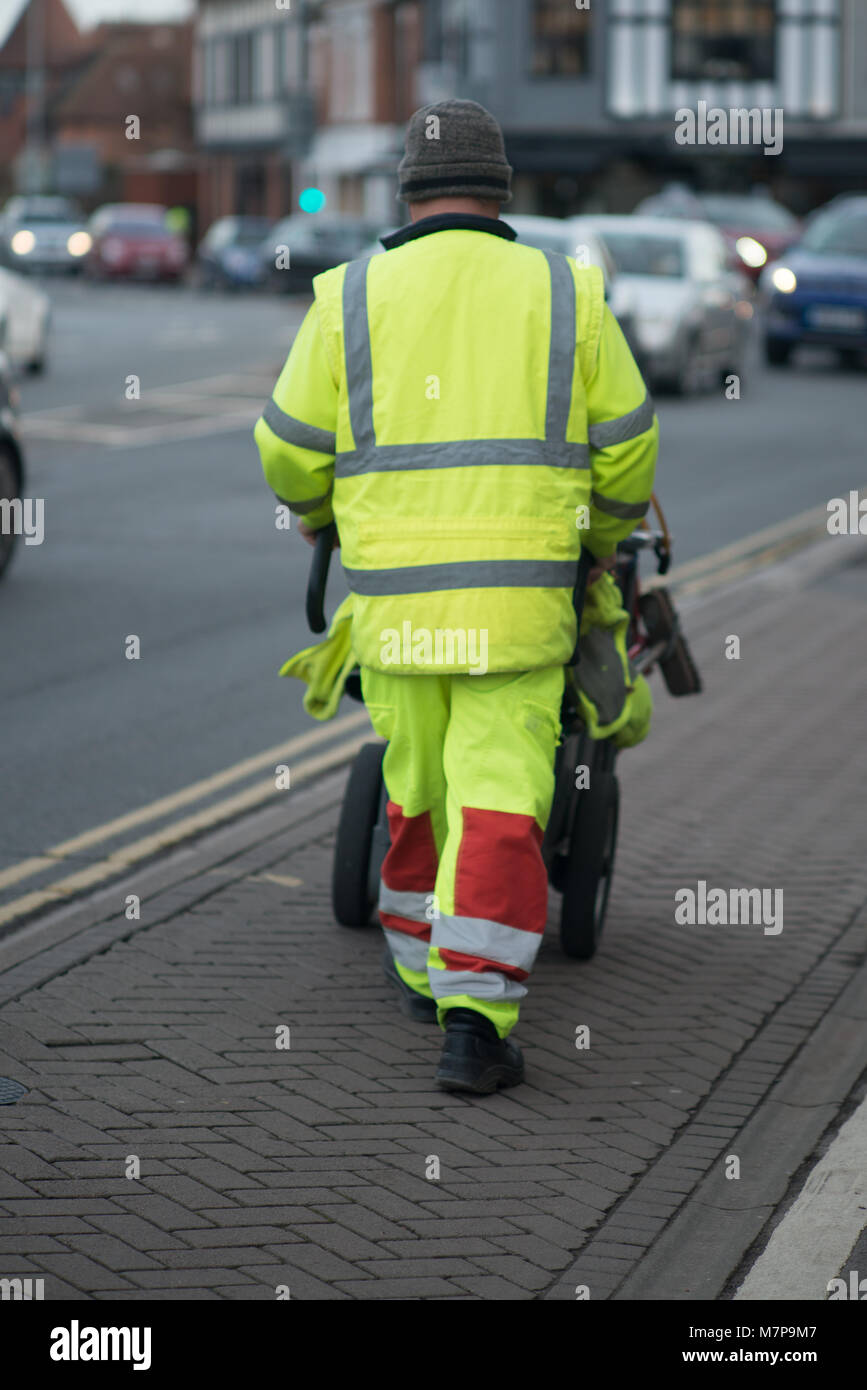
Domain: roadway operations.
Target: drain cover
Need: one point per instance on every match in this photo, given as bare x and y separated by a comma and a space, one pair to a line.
10, 1090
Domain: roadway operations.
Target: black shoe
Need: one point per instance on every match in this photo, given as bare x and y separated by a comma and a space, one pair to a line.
475, 1058
413, 1004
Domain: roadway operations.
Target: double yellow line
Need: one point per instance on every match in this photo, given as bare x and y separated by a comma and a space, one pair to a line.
160, 840
742, 557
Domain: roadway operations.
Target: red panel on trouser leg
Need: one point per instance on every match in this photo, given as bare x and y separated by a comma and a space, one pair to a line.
456, 960
500, 874
406, 925
412, 861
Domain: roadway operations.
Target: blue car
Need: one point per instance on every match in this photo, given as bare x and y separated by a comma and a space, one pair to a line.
817, 293
228, 256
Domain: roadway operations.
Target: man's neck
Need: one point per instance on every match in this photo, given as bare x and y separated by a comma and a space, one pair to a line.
471, 207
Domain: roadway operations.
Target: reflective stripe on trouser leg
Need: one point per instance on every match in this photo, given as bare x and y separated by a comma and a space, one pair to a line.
411, 712
492, 885
403, 910
500, 866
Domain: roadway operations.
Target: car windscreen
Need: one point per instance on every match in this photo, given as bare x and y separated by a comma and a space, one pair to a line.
759, 213
647, 255
155, 231
838, 234
247, 235
46, 212
544, 241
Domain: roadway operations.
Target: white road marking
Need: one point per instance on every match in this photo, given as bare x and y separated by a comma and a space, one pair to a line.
216, 404
812, 1242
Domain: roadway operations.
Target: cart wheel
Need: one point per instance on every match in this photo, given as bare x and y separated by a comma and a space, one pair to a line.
587, 880
555, 841
352, 898
678, 669
9, 490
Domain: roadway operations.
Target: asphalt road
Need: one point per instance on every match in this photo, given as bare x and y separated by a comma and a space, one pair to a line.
172, 539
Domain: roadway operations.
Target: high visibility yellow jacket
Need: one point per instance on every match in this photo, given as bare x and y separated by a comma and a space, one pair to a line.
468, 411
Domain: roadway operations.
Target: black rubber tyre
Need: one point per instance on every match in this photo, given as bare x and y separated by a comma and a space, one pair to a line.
777, 352
679, 671
8, 490
555, 840
659, 616
587, 880
351, 897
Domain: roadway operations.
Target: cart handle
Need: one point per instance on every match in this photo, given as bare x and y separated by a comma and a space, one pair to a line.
319, 577
585, 565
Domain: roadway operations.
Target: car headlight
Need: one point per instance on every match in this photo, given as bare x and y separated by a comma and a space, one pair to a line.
751, 252
79, 244
784, 279
23, 242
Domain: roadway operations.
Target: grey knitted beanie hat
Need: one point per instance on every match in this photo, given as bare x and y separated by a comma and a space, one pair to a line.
454, 148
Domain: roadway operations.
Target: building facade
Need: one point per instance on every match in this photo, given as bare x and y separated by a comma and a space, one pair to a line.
65, 101
41, 56
311, 93
587, 93
588, 96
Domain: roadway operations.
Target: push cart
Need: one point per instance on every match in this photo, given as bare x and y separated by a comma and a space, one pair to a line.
580, 839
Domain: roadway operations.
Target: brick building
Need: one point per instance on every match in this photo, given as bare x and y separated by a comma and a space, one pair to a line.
76, 91
42, 29
142, 71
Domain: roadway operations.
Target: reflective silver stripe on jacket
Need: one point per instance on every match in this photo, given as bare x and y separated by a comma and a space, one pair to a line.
293, 431
490, 941
359, 369
408, 951
626, 510
561, 355
464, 574
463, 453
554, 451
606, 433
404, 903
302, 508
478, 984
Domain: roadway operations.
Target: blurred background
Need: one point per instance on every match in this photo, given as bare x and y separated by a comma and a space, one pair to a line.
155, 157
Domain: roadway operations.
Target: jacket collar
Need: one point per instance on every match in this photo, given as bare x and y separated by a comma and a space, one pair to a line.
449, 221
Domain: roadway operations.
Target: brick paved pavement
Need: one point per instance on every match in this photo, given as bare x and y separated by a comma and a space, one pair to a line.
307, 1167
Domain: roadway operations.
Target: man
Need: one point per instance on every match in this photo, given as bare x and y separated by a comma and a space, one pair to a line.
466, 409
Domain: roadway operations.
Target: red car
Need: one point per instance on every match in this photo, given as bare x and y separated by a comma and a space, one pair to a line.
133, 241
757, 229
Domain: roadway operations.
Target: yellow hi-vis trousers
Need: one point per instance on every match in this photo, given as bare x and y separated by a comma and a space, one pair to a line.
469, 772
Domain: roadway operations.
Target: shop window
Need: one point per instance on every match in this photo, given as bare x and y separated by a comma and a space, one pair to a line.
560, 40
722, 40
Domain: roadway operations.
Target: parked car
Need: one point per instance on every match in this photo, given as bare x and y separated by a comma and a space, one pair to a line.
229, 254
134, 241
315, 242
817, 294
25, 317
689, 309
11, 464
578, 237
756, 228
573, 236
42, 233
